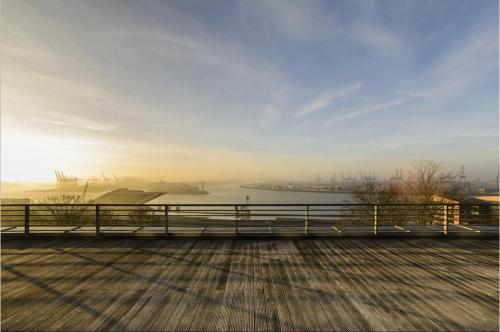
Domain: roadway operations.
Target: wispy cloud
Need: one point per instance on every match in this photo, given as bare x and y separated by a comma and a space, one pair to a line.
154, 35
50, 121
353, 113
297, 19
456, 70
378, 38
78, 124
250, 78
306, 21
269, 115
325, 99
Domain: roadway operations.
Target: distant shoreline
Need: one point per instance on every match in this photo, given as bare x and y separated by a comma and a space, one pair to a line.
248, 186
100, 190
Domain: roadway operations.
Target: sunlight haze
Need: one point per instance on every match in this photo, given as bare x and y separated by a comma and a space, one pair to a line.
190, 90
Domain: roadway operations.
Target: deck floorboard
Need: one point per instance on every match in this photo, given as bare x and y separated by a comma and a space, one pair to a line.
151, 284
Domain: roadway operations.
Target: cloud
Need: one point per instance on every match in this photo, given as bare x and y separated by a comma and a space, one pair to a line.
81, 125
156, 73
378, 38
50, 121
460, 66
269, 115
308, 21
325, 99
367, 109
297, 19
155, 36
468, 60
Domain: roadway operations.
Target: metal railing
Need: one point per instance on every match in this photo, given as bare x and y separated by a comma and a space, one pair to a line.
250, 219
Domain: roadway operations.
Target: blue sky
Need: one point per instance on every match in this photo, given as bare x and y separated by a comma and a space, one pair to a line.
210, 89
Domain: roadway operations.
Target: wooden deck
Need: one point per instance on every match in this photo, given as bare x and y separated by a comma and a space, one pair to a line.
140, 284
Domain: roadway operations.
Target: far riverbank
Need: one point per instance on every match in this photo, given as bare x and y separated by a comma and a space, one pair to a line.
297, 189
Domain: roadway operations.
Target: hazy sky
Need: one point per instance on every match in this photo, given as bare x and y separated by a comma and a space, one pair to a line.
211, 89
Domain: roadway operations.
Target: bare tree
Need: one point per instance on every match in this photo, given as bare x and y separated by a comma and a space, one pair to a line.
428, 182
386, 196
107, 217
64, 209
145, 216
370, 192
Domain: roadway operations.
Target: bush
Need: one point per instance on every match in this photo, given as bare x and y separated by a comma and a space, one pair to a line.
145, 216
67, 213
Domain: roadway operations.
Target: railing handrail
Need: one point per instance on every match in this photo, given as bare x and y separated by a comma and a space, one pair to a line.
250, 205
305, 216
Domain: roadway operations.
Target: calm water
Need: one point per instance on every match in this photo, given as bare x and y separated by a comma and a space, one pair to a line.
222, 194
233, 193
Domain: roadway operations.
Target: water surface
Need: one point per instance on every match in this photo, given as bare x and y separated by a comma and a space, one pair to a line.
234, 194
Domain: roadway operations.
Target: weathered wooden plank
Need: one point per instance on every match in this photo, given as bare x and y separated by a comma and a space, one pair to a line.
313, 313
185, 282
218, 285
332, 286
68, 292
274, 290
152, 288
99, 312
149, 288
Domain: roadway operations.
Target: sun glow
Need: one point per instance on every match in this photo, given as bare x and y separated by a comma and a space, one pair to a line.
34, 157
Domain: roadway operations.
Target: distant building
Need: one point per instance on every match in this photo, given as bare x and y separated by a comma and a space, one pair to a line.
126, 196
479, 210
397, 178
489, 199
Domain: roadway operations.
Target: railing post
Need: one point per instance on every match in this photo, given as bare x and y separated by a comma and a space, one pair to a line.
26, 219
375, 219
97, 220
236, 219
445, 219
166, 220
306, 221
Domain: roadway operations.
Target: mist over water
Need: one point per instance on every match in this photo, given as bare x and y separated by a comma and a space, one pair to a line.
234, 194
218, 194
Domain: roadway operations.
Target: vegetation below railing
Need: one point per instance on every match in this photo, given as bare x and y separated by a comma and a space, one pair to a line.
264, 218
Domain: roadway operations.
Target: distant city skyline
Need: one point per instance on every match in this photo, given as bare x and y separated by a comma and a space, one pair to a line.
190, 90
326, 177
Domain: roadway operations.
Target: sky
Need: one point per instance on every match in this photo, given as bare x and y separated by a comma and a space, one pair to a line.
190, 90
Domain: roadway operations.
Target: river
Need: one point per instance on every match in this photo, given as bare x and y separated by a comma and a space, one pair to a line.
234, 194
222, 194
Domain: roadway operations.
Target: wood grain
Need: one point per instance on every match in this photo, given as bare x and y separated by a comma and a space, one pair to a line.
148, 284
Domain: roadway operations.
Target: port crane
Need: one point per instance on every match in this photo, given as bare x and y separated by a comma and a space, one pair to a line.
70, 180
